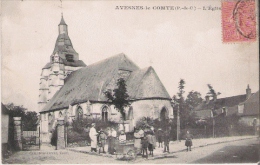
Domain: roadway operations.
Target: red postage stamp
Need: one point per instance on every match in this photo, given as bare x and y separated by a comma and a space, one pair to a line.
238, 20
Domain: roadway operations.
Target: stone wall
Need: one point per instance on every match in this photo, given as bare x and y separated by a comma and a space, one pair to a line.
151, 108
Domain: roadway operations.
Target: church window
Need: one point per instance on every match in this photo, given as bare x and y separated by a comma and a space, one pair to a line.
105, 113
49, 118
69, 57
79, 113
60, 114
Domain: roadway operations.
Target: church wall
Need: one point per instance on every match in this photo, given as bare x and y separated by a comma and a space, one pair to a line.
43, 95
95, 111
43, 83
45, 72
150, 108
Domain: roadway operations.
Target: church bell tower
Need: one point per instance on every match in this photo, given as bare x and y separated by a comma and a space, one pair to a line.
63, 60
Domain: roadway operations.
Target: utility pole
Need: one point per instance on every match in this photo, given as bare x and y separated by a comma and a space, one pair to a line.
213, 123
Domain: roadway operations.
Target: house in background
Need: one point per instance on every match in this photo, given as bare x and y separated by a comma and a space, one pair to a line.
71, 90
227, 105
4, 128
249, 110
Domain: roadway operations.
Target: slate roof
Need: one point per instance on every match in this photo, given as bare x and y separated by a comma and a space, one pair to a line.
64, 44
251, 105
145, 83
222, 102
90, 82
231, 103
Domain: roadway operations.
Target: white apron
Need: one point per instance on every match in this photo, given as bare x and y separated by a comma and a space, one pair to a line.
93, 137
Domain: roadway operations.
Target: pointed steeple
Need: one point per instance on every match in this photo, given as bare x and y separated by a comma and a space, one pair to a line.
62, 22
63, 27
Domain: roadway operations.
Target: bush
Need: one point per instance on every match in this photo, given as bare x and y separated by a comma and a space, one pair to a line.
74, 137
80, 125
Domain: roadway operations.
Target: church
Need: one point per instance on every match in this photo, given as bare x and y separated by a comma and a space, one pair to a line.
71, 90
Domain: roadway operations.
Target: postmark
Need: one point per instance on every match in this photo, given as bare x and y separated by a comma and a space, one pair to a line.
238, 21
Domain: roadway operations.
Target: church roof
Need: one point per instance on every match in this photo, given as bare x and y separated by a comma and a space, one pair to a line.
145, 83
62, 22
90, 83
63, 44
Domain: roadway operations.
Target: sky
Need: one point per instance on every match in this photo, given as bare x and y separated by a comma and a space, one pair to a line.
178, 44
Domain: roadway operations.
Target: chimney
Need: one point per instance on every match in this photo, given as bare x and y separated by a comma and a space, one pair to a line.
248, 92
215, 98
207, 99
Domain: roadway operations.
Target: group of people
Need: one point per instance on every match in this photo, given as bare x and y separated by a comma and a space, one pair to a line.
144, 140
101, 138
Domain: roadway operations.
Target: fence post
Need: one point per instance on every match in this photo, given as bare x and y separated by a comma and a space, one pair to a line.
60, 135
18, 132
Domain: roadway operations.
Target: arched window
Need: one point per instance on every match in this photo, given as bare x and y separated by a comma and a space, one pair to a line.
163, 114
49, 118
60, 114
79, 113
105, 113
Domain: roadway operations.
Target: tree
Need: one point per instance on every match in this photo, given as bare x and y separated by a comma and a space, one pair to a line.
212, 93
119, 98
29, 118
193, 99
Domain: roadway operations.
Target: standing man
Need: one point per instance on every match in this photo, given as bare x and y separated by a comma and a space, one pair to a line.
93, 137
166, 140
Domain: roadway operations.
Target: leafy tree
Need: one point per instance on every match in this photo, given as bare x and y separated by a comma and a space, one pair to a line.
119, 97
29, 118
187, 118
193, 99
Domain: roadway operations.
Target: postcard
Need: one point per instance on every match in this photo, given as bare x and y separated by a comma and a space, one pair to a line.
115, 82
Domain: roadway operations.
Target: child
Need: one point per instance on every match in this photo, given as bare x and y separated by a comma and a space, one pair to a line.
166, 141
188, 142
151, 146
102, 140
144, 142
160, 136
122, 137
